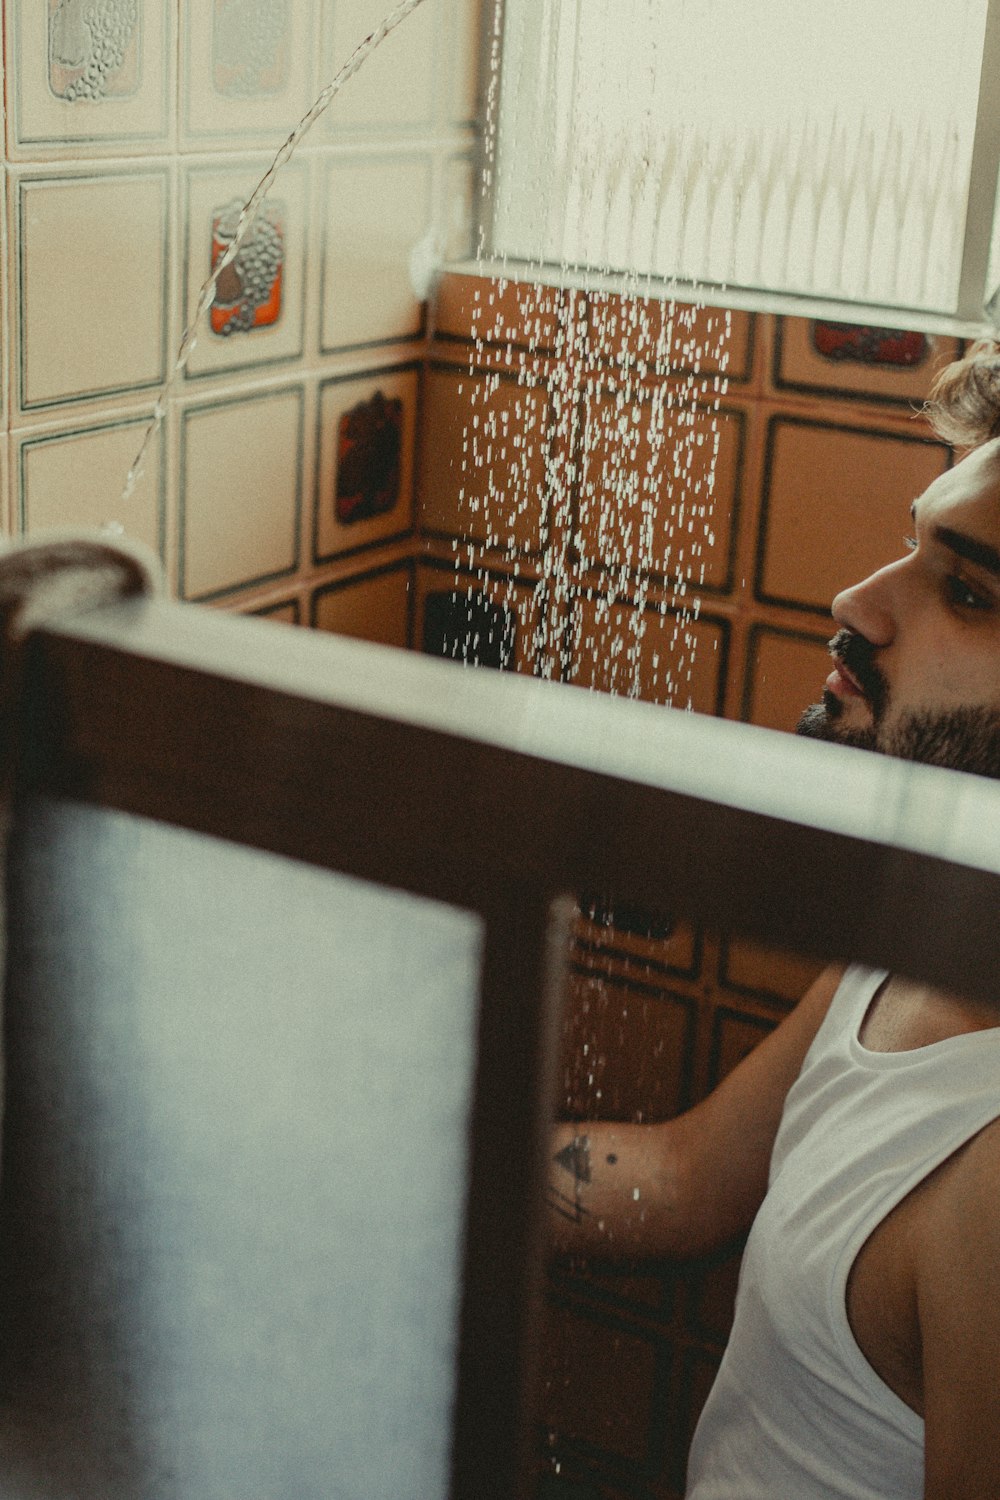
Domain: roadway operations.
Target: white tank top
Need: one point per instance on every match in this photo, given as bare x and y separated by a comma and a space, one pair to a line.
796, 1410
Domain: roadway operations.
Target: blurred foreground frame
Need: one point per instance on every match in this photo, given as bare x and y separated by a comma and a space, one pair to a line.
491, 794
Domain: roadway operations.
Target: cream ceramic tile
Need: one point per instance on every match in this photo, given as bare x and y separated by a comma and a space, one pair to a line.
75, 477
373, 607
397, 84
92, 283
79, 80
248, 67
379, 249
5, 323
259, 310
465, 21
6, 507
240, 480
287, 612
458, 236
364, 488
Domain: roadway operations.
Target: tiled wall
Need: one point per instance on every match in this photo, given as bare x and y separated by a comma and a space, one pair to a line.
126, 142
819, 455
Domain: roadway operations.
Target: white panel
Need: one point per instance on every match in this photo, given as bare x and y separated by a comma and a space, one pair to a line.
235, 1172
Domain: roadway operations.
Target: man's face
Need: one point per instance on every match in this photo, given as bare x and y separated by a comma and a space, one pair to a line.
917, 658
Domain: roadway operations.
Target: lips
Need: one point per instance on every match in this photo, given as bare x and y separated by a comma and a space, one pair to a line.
843, 682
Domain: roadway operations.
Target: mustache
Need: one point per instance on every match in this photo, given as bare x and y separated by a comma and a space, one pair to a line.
858, 655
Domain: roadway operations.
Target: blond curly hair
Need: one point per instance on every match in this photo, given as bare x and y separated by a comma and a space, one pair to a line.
964, 403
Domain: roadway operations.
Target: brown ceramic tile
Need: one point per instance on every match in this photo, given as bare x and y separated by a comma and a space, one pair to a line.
664, 658
770, 973
599, 1382
372, 607
484, 445
478, 616
713, 1295
482, 310
735, 1034
626, 1051
836, 506
659, 481
785, 672
670, 337
873, 364
652, 940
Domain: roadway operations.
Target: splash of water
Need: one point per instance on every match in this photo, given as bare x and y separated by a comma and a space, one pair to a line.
244, 224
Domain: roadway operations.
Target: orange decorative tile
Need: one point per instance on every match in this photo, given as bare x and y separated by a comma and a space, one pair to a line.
734, 1035
646, 334
258, 314
845, 359
836, 506
653, 941
484, 446
373, 607
785, 672
526, 314
659, 480
753, 968
665, 658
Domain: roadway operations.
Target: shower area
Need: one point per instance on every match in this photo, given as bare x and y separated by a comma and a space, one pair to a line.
570, 344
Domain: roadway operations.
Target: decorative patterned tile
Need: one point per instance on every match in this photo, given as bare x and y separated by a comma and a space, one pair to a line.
379, 249
664, 658
785, 672
371, 606
240, 476
399, 82
88, 75
660, 480
248, 68
844, 359
484, 441
258, 315
364, 471
75, 477
486, 617
92, 279
836, 506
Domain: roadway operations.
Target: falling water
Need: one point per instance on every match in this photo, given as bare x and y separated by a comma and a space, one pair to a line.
628, 399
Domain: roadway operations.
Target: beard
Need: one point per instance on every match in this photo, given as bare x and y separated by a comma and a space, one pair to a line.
961, 739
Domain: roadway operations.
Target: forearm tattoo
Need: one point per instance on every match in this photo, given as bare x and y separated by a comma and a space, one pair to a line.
574, 1161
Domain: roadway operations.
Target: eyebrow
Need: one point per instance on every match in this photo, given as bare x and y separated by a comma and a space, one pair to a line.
980, 553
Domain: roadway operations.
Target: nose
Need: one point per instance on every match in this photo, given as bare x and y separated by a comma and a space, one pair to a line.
869, 607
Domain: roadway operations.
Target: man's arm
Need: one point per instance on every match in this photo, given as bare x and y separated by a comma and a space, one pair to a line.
686, 1186
958, 1308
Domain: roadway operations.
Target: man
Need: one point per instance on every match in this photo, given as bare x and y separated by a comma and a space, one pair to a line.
861, 1139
